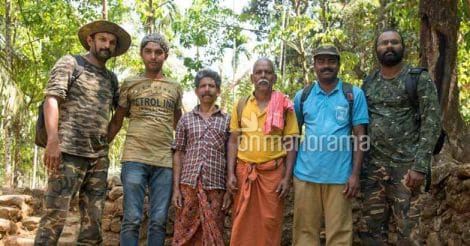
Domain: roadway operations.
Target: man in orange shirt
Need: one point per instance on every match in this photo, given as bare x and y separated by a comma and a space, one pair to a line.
260, 159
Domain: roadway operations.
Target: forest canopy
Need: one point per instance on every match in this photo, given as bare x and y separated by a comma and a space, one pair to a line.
224, 35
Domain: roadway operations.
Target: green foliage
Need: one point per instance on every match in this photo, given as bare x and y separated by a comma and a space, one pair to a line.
207, 29
40, 34
200, 36
463, 63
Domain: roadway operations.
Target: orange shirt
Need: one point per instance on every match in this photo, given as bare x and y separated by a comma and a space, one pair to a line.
254, 146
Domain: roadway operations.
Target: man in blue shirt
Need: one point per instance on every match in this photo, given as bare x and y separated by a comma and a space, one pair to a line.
327, 169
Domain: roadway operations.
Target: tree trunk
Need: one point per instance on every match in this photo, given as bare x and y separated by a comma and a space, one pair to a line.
150, 22
8, 178
438, 40
300, 7
104, 11
35, 167
8, 31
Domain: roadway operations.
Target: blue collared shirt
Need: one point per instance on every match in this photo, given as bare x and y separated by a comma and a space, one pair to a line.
325, 154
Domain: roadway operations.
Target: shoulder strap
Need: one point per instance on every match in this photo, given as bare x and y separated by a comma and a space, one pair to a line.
411, 84
349, 95
79, 67
115, 88
304, 96
241, 104
77, 70
366, 81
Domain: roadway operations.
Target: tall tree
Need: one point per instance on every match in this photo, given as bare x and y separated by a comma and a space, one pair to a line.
439, 29
104, 9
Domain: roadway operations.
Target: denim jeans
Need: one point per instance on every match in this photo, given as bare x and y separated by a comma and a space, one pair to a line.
135, 178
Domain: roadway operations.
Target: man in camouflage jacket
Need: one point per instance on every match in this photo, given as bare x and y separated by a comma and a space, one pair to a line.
402, 137
76, 118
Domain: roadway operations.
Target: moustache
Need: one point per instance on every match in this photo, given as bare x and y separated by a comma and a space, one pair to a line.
390, 51
327, 70
265, 81
106, 50
207, 94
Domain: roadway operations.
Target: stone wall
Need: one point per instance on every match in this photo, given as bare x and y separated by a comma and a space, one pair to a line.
445, 218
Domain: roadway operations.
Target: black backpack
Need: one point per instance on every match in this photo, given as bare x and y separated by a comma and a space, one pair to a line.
347, 92
411, 89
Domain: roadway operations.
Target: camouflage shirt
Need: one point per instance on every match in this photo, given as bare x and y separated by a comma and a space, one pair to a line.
84, 108
400, 133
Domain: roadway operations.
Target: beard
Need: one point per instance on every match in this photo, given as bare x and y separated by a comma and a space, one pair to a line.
102, 54
154, 67
390, 58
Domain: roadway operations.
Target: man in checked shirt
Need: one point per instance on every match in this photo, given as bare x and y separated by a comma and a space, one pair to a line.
199, 168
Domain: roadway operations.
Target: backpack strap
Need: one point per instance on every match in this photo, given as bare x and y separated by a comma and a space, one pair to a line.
240, 106
366, 81
115, 89
411, 84
303, 97
305, 93
349, 95
78, 70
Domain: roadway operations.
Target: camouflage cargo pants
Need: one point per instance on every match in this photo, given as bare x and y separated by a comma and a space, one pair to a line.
387, 199
88, 176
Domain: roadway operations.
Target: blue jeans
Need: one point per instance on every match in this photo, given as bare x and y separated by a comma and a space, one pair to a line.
135, 178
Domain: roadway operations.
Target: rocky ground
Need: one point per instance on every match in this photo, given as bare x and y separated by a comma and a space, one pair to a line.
445, 218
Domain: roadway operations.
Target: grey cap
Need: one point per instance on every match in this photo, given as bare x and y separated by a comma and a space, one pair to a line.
326, 49
156, 38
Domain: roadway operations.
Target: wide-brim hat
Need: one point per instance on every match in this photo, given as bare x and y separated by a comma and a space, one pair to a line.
123, 38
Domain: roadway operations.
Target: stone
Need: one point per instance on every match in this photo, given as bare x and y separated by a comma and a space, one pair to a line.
466, 184
114, 181
118, 211
459, 201
429, 211
437, 224
115, 193
463, 172
466, 237
15, 200
31, 223
21, 202
454, 240
11, 213
440, 173
7, 227
19, 241
108, 209
110, 239
433, 239
115, 225
106, 224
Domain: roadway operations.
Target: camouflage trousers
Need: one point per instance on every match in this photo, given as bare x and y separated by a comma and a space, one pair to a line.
88, 177
389, 205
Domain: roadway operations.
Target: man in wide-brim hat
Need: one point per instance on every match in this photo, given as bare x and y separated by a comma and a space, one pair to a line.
79, 97
122, 37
